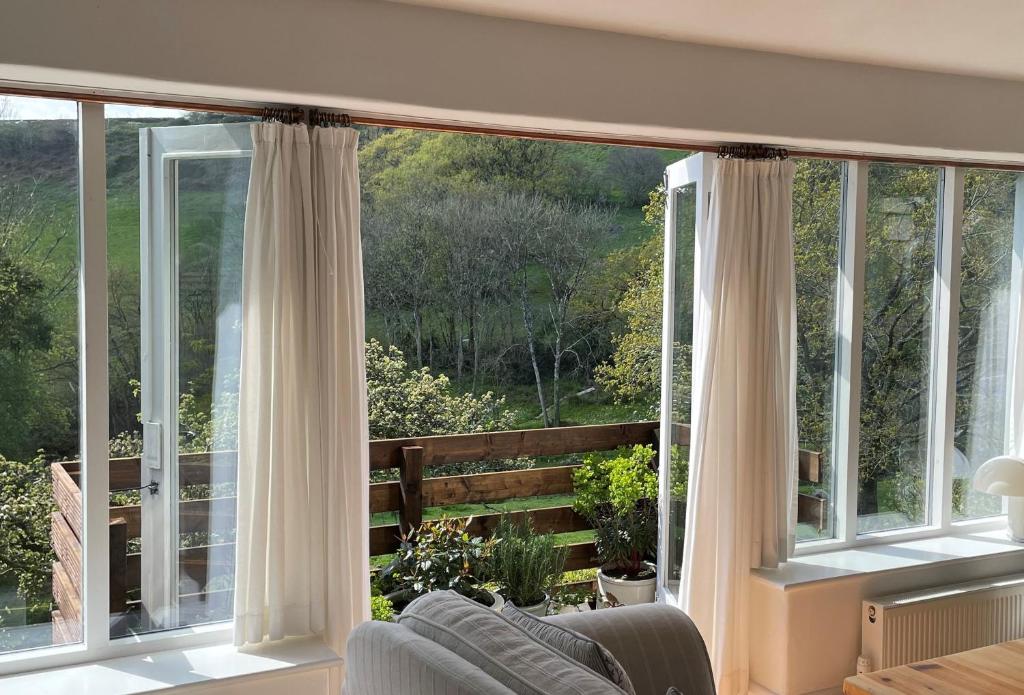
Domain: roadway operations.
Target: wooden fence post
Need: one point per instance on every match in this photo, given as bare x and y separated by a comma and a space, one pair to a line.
410, 478
118, 566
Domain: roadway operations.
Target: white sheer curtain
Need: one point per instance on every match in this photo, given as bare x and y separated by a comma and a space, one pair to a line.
302, 545
743, 443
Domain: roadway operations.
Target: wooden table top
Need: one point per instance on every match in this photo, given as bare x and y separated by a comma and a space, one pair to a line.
994, 670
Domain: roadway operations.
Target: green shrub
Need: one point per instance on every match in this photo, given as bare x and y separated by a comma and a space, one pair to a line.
680, 473
617, 482
618, 495
440, 554
524, 563
381, 608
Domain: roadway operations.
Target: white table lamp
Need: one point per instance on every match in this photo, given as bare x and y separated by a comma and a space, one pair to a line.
1004, 475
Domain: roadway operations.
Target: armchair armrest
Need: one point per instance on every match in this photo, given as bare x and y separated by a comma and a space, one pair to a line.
657, 645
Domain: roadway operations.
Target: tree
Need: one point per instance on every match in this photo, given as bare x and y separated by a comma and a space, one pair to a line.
899, 268
634, 171
401, 265
633, 374
567, 254
559, 241
37, 356
472, 267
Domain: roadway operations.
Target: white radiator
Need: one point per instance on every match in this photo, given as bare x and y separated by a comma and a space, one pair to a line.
904, 628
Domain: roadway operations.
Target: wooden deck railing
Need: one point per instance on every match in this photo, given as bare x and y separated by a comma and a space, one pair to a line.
409, 496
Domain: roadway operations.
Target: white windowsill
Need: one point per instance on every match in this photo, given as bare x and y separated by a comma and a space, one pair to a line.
161, 670
889, 557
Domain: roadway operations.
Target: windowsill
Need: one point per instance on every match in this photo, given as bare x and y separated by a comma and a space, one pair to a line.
156, 671
891, 557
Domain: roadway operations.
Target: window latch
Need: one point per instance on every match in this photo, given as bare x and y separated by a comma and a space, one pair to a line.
153, 487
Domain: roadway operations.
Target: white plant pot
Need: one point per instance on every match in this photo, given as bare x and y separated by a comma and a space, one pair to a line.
539, 609
627, 592
499, 602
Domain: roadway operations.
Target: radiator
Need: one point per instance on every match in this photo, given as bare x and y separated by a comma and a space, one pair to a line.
903, 628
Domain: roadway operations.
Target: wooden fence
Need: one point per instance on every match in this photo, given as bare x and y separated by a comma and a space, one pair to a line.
408, 496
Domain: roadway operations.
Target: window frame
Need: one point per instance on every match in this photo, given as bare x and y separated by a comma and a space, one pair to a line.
93, 343
96, 643
942, 362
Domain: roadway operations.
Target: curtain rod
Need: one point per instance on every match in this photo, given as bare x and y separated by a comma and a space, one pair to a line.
259, 111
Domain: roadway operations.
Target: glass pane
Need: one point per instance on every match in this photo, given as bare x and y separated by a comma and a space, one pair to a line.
983, 347
209, 200
895, 377
123, 371
817, 227
685, 198
211, 215
40, 520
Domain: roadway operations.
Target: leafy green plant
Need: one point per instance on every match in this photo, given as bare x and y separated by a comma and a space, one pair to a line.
524, 563
381, 608
618, 481
679, 481
572, 596
618, 495
625, 543
439, 555
26, 501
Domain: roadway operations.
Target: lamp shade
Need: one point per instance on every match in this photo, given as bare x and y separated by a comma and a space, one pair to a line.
1002, 475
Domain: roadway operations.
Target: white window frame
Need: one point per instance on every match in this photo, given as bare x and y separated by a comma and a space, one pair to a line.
943, 360
93, 345
93, 338
695, 170
161, 152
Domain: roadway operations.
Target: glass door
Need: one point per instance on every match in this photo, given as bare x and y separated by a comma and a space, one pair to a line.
687, 191
193, 187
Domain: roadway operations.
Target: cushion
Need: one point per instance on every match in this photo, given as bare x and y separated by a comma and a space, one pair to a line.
658, 645
386, 659
571, 643
506, 652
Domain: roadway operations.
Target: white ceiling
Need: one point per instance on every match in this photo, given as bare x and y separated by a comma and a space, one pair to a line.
971, 37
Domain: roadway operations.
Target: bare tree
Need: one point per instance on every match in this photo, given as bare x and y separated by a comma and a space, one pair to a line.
400, 255
635, 171
562, 241
519, 219
567, 254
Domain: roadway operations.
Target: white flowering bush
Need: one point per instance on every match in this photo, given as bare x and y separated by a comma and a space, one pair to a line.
406, 402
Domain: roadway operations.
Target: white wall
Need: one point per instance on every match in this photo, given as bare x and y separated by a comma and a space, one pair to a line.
383, 57
806, 636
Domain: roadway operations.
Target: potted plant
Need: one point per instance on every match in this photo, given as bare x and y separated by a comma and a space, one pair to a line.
618, 495
526, 564
439, 555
